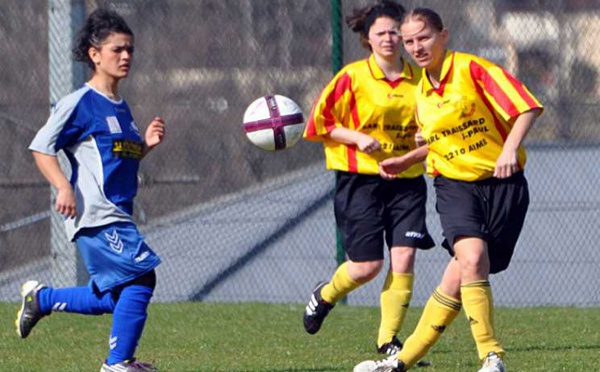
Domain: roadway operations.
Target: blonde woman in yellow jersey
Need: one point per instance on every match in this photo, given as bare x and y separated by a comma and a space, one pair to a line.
473, 117
363, 116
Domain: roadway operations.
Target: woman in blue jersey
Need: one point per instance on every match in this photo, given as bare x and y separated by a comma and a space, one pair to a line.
94, 128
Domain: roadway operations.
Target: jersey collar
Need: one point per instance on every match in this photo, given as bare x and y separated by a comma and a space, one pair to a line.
407, 71
447, 66
119, 101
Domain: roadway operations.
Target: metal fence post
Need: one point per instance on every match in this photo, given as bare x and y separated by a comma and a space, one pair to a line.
64, 19
337, 62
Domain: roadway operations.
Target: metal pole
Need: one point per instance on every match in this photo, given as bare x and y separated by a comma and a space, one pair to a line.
337, 61
64, 19
337, 52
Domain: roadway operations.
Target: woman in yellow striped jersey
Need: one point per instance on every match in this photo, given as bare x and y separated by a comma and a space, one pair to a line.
473, 117
363, 116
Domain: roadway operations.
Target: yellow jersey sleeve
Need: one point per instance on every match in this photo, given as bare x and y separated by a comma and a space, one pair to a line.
467, 119
360, 98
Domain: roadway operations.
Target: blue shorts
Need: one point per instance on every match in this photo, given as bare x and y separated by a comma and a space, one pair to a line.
115, 254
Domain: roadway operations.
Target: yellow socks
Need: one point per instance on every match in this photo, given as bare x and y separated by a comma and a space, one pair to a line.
438, 313
478, 303
395, 299
340, 285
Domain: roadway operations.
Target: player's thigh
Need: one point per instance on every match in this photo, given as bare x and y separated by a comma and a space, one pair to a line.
508, 212
359, 216
405, 213
461, 208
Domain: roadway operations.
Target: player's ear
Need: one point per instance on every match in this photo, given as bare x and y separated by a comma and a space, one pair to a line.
445, 35
94, 55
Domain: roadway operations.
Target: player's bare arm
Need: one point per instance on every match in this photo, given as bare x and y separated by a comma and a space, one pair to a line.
389, 168
507, 163
66, 203
364, 142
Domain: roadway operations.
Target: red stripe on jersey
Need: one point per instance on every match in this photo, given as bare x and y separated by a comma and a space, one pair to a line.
435, 172
353, 109
343, 84
521, 90
477, 74
311, 129
440, 89
352, 162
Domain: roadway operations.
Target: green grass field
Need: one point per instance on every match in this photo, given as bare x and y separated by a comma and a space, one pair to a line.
263, 337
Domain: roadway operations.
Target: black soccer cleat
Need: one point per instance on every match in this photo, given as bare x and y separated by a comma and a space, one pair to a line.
316, 310
390, 348
393, 347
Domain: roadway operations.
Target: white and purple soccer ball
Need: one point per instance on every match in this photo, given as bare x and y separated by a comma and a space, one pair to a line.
273, 122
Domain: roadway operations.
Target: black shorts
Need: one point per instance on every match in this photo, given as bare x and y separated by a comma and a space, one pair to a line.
493, 210
367, 208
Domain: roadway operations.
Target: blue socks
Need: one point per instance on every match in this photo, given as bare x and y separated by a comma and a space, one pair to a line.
80, 300
129, 313
129, 318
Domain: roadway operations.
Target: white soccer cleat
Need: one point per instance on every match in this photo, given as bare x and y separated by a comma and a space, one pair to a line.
390, 364
129, 366
493, 363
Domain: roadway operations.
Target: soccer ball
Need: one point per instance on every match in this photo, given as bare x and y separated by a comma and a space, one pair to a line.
273, 122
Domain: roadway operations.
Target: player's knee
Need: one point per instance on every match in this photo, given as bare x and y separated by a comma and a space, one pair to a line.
402, 259
364, 271
146, 280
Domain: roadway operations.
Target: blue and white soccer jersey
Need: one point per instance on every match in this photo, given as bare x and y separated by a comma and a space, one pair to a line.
104, 148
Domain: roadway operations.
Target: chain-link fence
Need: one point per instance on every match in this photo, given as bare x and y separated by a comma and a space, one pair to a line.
235, 223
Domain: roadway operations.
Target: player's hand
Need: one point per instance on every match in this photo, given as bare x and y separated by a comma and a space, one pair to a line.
390, 167
419, 140
66, 202
507, 164
155, 132
368, 144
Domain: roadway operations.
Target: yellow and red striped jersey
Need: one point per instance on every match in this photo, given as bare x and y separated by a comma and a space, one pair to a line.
466, 120
360, 98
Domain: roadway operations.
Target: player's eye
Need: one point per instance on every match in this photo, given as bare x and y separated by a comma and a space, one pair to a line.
383, 33
129, 49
